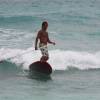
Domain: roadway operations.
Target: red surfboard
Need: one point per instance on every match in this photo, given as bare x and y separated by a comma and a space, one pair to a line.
41, 67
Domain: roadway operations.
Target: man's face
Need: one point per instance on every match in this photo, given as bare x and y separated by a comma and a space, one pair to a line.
45, 26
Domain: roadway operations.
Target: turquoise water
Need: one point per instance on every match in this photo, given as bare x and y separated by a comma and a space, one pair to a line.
63, 85
75, 27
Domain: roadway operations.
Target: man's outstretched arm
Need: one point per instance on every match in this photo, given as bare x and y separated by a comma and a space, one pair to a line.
49, 41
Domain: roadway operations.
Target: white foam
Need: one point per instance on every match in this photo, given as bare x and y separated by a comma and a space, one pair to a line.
59, 59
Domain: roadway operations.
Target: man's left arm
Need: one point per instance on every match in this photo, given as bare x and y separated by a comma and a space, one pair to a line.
49, 41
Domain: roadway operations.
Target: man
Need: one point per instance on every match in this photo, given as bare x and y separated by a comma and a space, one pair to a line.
43, 37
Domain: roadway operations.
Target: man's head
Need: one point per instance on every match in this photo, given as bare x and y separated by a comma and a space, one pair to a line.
45, 25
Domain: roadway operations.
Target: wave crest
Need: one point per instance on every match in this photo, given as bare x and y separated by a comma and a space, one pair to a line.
59, 59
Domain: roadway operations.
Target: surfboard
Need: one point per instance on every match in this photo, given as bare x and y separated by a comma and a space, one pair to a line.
41, 67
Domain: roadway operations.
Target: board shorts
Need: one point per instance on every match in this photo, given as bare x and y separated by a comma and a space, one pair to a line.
44, 49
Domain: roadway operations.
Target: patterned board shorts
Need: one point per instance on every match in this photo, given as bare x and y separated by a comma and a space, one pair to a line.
44, 49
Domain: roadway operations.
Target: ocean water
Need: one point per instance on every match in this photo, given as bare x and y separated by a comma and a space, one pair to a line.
75, 27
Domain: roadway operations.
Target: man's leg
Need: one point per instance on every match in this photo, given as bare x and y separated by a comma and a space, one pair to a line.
44, 58
45, 55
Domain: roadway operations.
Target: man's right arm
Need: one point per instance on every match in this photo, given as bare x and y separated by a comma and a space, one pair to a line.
36, 41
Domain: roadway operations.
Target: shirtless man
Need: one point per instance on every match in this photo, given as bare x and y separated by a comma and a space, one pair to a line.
43, 37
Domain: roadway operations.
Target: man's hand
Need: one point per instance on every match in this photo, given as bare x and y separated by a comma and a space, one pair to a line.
53, 43
35, 48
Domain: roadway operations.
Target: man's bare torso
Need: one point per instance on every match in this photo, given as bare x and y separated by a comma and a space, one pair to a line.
43, 36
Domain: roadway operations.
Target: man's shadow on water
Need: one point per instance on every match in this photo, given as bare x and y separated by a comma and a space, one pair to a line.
39, 76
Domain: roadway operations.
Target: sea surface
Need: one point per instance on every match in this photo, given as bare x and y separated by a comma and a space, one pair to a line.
75, 59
